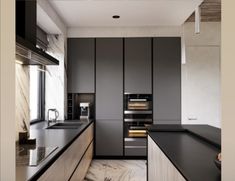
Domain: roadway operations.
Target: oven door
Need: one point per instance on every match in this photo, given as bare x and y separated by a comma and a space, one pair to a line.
135, 147
135, 139
138, 104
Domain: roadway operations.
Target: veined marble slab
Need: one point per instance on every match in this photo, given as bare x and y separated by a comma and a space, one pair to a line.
55, 87
117, 170
22, 108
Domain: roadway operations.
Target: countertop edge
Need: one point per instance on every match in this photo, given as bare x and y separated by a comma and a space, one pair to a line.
181, 129
188, 128
55, 157
175, 165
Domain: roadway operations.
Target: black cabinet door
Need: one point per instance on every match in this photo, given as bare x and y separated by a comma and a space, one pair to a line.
109, 78
109, 97
138, 61
109, 138
81, 65
167, 80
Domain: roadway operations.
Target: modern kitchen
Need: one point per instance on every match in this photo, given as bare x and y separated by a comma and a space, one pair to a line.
125, 90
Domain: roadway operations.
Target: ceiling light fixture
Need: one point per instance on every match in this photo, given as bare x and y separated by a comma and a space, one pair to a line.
116, 16
197, 20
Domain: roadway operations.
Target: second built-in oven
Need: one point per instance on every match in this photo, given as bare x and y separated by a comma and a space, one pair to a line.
137, 116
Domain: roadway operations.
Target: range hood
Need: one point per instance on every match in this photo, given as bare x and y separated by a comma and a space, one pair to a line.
27, 52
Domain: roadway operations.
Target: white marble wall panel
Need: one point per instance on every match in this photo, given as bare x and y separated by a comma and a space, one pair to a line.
55, 77
22, 97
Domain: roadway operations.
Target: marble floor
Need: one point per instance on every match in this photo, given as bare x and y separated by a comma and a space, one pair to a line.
117, 170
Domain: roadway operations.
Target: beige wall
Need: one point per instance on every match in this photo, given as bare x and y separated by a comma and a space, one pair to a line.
201, 75
46, 6
124, 31
7, 90
228, 90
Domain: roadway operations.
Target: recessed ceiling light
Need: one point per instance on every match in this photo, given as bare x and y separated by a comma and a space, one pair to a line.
116, 16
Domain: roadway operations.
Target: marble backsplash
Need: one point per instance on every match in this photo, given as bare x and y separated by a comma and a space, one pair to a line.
22, 97
55, 80
55, 85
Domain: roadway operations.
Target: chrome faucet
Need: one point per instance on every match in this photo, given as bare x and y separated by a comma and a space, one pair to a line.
54, 119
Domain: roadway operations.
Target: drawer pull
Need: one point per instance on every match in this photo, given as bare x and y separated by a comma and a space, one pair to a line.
131, 147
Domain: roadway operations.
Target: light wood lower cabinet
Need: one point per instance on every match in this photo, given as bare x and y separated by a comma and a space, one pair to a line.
160, 167
64, 166
83, 166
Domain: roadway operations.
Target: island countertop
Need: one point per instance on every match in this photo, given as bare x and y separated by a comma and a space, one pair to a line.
60, 138
190, 148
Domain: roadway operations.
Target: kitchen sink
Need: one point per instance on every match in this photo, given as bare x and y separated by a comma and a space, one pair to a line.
72, 125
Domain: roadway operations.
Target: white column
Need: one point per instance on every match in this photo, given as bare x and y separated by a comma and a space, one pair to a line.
228, 89
7, 90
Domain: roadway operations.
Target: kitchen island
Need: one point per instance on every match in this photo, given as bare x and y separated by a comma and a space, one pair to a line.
65, 142
183, 152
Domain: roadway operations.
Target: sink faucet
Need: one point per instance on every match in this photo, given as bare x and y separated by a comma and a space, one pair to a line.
48, 116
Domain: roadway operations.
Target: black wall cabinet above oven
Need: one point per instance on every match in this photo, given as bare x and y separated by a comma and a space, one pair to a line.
138, 66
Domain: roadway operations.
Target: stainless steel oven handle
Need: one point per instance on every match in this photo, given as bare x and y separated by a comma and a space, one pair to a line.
138, 120
137, 112
138, 100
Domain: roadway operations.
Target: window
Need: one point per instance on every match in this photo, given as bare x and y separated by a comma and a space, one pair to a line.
36, 93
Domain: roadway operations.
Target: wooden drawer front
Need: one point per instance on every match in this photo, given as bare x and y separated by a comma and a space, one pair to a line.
83, 166
159, 166
55, 171
75, 152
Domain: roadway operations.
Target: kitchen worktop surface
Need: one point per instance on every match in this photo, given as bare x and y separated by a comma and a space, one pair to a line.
191, 149
60, 139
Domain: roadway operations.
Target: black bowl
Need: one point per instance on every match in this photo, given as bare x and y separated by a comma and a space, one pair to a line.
217, 163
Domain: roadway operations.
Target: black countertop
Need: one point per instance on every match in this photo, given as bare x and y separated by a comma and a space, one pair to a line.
191, 149
61, 138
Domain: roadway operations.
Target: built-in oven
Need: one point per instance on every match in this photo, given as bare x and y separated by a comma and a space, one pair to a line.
138, 102
137, 116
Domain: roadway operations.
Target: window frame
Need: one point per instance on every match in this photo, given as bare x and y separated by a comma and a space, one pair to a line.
41, 111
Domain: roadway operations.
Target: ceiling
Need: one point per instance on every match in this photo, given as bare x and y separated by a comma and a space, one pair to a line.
45, 22
210, 11
98, 13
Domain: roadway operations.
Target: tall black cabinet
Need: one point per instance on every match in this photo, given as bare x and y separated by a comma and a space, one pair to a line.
109, 97
167, 80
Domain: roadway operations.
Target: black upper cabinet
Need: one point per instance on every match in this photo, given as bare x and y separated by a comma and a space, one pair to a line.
81, 65
138, 61
167, 80
26, 20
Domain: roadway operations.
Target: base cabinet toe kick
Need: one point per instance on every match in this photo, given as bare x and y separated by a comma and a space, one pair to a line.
74, 162
159, 166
